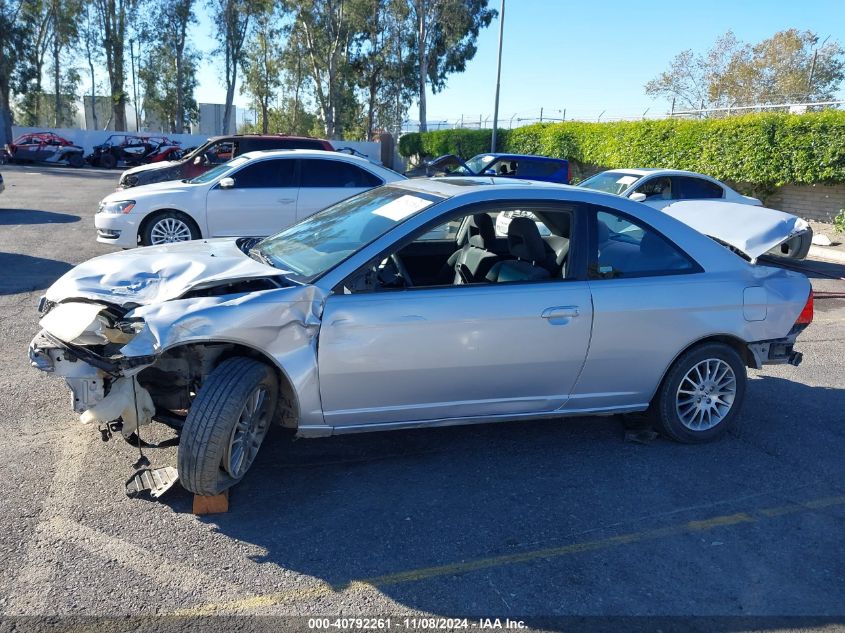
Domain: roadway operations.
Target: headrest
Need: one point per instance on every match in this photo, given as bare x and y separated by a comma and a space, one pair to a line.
482, 233
524, 241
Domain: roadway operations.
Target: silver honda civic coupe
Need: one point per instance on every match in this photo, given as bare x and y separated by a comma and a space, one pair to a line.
402, 307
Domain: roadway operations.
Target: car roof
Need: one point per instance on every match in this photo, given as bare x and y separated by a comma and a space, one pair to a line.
268, 137
532, 156
451, 186
308, 153
650, 171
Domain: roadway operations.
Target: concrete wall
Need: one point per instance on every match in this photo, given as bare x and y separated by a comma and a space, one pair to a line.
812, 202
87, 139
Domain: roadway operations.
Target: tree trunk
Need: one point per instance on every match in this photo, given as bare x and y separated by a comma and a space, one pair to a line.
57, 82
93, 84
179, 126
422, 56
265, 98
230, 97
118, 96
113, 32
231, 78
5, 114
371, 105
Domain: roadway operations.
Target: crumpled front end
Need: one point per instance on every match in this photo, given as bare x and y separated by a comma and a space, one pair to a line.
81, 341
134, 363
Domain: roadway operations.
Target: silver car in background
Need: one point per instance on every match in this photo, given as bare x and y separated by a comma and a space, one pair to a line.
360, 318
711, 207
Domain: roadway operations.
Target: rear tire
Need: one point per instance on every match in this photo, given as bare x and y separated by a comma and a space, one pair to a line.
702, 394
168, 227
108, 161
226, 424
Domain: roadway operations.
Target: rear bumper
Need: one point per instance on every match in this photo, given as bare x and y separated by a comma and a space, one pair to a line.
776, 351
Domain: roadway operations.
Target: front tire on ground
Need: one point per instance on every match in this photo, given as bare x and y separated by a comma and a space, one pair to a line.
168, 227
108, 161
75, 160
226, 424
702, 393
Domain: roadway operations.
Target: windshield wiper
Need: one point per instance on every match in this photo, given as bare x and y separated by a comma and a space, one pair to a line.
261, 257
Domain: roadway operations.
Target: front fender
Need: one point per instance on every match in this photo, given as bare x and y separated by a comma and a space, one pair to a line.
282, 324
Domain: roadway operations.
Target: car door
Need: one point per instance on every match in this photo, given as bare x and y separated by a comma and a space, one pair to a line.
650, 300
454, 352
261, 202
32, 148
324, 181
658, 191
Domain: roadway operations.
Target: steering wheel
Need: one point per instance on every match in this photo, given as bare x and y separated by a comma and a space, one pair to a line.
400, 268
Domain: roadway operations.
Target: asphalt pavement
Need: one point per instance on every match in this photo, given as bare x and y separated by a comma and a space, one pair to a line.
519, 520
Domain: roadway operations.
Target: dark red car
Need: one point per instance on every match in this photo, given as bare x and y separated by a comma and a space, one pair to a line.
215, 151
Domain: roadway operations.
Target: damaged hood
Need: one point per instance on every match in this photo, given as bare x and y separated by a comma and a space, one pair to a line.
151, 167
151, 189
155, 274
750, 229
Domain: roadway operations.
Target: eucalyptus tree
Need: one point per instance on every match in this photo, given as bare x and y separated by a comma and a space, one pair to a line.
444, 39
232, 19
262, 63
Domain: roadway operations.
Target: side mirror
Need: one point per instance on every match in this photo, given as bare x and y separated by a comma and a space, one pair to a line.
198, 160
637, 197
490, 172
227, 183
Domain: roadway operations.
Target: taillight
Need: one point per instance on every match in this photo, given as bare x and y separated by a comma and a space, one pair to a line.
806, 316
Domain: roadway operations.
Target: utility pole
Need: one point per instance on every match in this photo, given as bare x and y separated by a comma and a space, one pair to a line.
498, 79
813, 67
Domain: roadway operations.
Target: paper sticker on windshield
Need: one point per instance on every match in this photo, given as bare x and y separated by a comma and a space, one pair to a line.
627, 180
402, 207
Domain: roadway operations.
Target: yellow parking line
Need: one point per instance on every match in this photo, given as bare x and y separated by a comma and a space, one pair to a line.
461, 567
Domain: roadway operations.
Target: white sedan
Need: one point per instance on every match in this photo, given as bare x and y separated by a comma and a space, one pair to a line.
255, 195
712, 208
659, 188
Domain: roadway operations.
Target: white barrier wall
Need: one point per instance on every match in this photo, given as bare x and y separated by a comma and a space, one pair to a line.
87, 139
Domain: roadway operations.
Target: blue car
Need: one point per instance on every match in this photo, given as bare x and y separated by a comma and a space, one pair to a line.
523, 166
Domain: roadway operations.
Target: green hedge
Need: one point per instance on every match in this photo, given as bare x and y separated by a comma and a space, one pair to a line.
760, 149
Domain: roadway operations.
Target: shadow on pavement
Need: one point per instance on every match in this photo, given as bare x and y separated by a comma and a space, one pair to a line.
813, 268
429, 518
24, 273
64, 170
18, 217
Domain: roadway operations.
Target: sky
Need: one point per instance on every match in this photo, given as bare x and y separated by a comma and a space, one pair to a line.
589, 60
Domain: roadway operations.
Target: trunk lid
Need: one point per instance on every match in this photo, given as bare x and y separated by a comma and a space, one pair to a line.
750, 229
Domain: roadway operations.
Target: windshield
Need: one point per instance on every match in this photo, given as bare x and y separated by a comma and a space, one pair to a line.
217, 171
199, 151
610, 181
320, 242
477, 164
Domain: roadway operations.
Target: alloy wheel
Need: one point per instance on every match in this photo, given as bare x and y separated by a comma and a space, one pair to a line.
168, 230
706, 394
248, 433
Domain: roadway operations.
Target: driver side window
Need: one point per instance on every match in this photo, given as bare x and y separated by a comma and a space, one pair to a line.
656, 189
486, 247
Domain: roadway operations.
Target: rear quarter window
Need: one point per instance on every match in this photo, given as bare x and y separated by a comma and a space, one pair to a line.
335, 173
697, 189
541, 169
